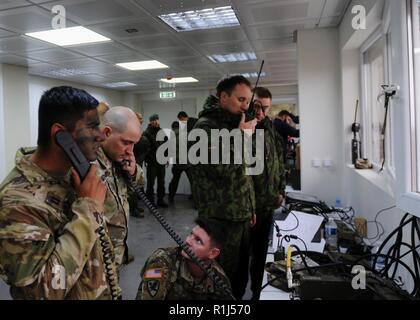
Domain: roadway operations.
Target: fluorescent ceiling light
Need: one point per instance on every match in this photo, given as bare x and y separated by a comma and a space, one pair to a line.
69, 36
142, 65
119, 84
253, 74
66, 72
233, 57
201, 19
180, 80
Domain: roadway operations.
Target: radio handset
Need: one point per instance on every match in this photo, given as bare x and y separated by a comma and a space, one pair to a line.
250, 113
79, 162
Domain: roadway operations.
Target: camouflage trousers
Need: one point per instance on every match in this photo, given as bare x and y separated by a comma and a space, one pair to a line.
234, 256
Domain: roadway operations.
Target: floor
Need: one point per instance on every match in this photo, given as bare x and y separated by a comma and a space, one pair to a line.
146, 235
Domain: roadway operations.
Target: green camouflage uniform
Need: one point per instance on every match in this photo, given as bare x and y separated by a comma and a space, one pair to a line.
268, 186
165, 276
225, 192
49, 247
116, 207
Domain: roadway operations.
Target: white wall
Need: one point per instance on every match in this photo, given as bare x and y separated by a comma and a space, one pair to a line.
37, 86
320, 112
16, 116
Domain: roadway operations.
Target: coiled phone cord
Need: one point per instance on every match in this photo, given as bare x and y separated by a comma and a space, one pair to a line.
110, 272
209, 271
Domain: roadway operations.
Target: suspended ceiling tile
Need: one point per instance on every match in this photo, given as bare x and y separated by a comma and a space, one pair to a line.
144, 27
21, 44
173, 53
55, 54
5, 33
125, 57
27, 19
17, 60
150, 43
9, 4
87, 12
99, 49
275, 13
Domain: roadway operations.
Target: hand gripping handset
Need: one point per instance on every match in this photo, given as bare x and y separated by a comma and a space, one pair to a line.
142, 196
65, 140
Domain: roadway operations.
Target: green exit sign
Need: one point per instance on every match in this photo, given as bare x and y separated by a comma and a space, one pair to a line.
167, 94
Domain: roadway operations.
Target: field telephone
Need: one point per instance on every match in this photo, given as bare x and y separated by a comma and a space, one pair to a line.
65, 140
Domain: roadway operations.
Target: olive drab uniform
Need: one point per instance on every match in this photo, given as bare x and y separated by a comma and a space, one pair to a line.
49, 247
165, 276
225, 192
268, 186
116, 206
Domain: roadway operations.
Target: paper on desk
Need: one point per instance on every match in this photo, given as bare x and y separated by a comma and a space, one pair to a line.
306, 230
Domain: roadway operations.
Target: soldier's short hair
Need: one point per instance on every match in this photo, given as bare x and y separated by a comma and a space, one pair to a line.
182, 114
229, 83
216, 230
262, 92
65, 105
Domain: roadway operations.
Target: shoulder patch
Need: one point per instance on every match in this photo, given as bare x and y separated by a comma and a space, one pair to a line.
153, 287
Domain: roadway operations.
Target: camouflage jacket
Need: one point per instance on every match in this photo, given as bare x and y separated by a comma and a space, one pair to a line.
116, 207
49, 247
271, 182
223, 191
165, 276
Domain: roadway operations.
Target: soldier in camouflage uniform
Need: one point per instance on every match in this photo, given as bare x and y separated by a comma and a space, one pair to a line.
170, 274
269, 188
49, 224
122, 129
224, 191
155, 170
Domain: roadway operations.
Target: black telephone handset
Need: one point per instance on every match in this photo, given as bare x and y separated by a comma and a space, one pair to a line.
65, 140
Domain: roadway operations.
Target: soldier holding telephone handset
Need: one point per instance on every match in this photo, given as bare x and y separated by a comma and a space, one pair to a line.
49, 216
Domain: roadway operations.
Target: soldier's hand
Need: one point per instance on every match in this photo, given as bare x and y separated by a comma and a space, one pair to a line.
91, 187
130, 164
247, 127
253, 220
279, 200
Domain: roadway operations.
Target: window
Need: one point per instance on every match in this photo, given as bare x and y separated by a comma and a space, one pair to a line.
374, 77
376, 71
406, 74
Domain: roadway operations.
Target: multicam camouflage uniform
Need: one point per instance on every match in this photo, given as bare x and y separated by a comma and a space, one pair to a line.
49, 247
225, 192
165, 276
268, 186
116, 205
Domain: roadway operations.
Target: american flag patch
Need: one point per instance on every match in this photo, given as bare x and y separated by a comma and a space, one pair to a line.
153, 273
